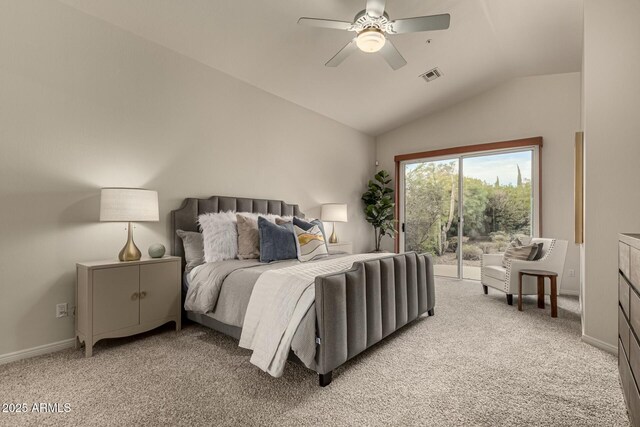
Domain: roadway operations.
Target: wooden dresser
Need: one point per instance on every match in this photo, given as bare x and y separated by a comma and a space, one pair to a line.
629, 322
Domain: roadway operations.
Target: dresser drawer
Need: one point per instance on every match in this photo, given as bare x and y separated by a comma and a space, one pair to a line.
623, 294
634, 267
634, 310
633, 404
623, 332
634, 355
623, 258
625, 373
630, 390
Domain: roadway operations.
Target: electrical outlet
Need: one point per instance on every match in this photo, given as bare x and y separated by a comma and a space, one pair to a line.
572, 273
62, 310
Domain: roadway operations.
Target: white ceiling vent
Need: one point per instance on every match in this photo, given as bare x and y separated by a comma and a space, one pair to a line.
432, 74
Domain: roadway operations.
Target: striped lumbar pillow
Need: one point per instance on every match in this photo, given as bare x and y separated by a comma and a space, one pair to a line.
310, 243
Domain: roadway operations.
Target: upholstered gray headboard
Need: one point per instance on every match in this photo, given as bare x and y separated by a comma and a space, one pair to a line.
186, 216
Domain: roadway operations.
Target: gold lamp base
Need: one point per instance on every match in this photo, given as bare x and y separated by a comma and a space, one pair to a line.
334, 236
130, 252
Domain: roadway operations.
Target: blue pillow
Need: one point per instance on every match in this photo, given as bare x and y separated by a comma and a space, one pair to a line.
277, 242
306, 226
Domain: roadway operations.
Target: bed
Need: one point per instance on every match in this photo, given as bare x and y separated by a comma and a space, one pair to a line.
354, 301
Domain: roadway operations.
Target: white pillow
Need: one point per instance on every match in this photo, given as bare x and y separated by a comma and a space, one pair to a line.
220, 235
310, 243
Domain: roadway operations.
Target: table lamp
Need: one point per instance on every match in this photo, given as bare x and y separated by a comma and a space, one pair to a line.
334, 212
129, 205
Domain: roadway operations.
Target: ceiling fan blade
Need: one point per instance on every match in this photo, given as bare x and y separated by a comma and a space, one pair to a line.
342, 55
325, 23
421, 23
392, 56
375, 8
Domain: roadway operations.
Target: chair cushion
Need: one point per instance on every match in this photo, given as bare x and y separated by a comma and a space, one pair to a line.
495, 271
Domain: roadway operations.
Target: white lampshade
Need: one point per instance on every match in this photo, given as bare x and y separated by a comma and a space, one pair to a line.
334, 212
128, 204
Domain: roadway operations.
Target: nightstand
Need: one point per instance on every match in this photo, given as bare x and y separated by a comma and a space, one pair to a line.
341, 247
119, 299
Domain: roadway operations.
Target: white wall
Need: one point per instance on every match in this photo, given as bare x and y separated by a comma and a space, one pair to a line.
84, 105
547, 106
612, 153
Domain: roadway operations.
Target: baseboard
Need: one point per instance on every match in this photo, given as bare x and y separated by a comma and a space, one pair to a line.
36, 351
572, 292
600, 344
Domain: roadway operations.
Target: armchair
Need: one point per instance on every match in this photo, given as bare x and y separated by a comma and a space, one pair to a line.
494, 275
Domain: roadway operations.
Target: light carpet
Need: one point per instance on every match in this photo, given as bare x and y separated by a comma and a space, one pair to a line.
478, 361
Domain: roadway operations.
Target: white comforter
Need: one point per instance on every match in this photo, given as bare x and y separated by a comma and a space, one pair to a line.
279, 301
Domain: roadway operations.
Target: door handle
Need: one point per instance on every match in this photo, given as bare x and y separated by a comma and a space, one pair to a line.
134, 296
143, 294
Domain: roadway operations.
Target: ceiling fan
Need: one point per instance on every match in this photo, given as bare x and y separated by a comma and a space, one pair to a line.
372, 26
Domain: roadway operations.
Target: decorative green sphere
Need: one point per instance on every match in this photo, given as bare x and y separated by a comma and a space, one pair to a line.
156, 250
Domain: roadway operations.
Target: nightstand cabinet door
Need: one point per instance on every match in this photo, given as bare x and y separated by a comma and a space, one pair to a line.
159, 297
115, 298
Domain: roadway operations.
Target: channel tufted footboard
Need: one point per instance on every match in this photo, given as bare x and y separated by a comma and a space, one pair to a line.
358, 308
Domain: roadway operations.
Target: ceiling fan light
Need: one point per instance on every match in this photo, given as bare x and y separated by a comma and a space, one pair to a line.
370, 40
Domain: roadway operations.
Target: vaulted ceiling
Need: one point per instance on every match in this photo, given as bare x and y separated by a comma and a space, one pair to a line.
260, 42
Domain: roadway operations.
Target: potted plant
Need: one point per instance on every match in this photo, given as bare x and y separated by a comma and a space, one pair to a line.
379, 207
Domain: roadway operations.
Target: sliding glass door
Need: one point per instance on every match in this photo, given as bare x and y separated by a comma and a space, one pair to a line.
431, 193
498, 205
458, 208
